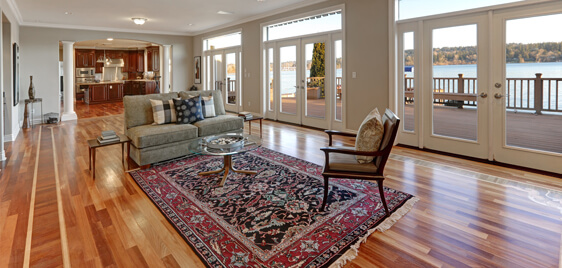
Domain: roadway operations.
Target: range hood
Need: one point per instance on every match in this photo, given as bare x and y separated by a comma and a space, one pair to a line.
114, 63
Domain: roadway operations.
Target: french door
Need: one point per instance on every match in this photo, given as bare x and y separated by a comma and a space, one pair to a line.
307, 90
225, 76
486, 85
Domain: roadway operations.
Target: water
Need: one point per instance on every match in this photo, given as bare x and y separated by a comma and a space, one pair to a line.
513, 70
289, 80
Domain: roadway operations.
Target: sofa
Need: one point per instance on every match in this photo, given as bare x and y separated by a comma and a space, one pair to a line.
151, 143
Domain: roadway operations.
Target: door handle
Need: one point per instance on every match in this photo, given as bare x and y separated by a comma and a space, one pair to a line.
498, 95
483, 95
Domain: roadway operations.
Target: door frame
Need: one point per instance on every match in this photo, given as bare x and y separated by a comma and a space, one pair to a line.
222, 69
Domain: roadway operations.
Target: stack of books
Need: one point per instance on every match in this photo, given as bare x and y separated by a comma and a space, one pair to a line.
246, 115
108, 136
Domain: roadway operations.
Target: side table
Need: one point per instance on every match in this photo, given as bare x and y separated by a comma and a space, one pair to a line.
94, 144
28, 122
250, 123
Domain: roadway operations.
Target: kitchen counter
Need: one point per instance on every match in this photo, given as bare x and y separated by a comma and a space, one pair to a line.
115, 82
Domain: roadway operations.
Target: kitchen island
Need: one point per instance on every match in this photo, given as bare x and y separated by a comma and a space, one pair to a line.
113, 91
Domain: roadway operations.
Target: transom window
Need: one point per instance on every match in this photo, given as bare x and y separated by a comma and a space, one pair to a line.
227, 40
319, 23
408, 9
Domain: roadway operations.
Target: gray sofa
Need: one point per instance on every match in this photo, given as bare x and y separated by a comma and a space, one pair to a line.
154, 143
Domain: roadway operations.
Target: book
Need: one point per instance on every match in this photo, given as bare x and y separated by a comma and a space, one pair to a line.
106, 141
246, 115
108, 133
109, 137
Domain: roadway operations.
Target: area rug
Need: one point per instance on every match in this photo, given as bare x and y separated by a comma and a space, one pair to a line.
273, 218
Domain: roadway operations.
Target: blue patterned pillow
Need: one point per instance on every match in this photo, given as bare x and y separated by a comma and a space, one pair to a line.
188, 111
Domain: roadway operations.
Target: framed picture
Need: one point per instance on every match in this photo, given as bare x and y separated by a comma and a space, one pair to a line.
16, 73
197, 65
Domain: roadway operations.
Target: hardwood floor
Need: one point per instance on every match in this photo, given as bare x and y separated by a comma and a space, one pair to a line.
469, 214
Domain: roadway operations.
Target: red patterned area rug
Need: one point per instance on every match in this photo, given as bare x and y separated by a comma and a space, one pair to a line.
270, 219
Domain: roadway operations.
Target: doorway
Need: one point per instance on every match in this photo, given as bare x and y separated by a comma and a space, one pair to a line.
224, 67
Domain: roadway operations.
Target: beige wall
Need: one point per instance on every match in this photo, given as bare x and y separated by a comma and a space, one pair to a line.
12, 116
39, 56
366, 51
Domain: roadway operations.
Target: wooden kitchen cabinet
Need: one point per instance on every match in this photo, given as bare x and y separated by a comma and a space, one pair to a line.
136, 61
85, 58
99, 65
153, 59
125, 57
104, 93
150, 87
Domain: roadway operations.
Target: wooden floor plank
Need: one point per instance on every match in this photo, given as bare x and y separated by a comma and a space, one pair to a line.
461, 219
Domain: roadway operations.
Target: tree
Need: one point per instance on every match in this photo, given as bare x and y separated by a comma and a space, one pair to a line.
317, 68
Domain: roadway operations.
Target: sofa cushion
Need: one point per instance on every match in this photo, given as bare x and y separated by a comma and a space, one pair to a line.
189, 110
208, 107
138, 110
348, 162
369, 136
152, 135
217, 97
219, 124
163, 111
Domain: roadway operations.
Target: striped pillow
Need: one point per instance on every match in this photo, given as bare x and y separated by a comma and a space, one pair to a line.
208, 106
164, 112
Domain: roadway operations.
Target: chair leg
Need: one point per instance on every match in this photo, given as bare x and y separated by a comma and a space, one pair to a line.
383, 200
325, 193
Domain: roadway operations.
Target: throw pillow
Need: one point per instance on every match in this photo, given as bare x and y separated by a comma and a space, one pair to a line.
208, 106
369, 136
163, 111
188, 111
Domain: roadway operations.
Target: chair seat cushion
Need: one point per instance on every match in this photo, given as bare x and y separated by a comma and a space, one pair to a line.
348, 162
219, 124
369, 136
152, 135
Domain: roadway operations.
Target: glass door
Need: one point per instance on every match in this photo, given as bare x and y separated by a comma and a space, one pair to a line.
455, 85
527, 93
231, 87
410, 98
315, 87
290, 86
217, 75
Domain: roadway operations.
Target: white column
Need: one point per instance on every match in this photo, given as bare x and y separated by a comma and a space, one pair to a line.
67, 66
165, 88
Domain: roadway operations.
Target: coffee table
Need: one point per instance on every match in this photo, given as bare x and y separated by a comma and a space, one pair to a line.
200, 147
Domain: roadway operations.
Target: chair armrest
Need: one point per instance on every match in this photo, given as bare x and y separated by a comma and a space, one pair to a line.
328, 150
338, 133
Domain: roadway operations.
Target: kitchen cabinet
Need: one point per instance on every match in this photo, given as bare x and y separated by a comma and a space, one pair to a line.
125, 57
102, 93
153, 59
85, 58
99, 65
136, 61
150, 87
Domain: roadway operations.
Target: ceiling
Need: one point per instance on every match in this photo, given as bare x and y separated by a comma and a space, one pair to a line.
164, 16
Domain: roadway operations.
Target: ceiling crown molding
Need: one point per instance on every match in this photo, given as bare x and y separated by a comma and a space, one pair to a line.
104, 29
15, 10
261, 16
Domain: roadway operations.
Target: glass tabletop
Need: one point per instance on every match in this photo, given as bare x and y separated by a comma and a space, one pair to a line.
201, 146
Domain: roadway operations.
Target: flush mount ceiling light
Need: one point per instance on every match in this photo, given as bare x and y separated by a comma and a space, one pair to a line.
110, 39
67, 13
224, 12
139, 21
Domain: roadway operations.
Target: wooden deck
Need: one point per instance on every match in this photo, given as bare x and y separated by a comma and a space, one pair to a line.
527, 130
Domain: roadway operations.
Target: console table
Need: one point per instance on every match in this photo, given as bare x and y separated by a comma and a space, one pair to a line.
28, 122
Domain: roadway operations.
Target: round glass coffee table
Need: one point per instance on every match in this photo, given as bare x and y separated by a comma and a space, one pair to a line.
201, 146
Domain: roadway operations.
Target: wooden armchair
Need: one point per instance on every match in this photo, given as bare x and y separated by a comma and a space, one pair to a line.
340, 161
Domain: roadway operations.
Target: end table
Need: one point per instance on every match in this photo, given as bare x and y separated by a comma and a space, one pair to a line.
93, 144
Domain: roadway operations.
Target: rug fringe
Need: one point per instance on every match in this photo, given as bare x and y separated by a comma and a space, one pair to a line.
352, 252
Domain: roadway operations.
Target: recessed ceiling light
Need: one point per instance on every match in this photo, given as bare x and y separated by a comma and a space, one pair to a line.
224, 12
110, 39
67, 13
191, 24
139, 21
261, 0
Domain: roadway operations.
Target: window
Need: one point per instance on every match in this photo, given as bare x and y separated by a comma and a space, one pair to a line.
324, 22
227, 40
408, 9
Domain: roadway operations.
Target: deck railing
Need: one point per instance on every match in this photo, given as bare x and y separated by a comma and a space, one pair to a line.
537, 94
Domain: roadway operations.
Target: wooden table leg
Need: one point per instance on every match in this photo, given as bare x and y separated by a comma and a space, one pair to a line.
128, 153
90, 157
94, 163
260, 129
122, 154
250, 126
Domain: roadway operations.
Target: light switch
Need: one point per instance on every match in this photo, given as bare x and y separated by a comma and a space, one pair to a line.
353, 75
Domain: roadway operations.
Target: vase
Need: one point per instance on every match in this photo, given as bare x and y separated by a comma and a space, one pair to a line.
31, 91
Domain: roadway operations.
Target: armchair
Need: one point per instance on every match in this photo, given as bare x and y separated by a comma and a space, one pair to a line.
340, 161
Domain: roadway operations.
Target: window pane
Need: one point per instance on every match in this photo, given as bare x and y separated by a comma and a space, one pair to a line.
330, 21
288, 81
408, 9
339, 72
315, 73
228, 40
408, 74
231, 78
271, 77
